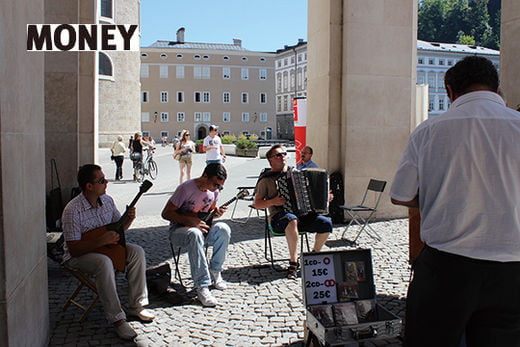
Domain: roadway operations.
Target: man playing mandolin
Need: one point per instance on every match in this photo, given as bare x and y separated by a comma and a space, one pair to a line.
91, 210
185, 210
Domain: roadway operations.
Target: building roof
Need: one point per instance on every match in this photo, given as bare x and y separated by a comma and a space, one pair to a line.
455, 48
197, 45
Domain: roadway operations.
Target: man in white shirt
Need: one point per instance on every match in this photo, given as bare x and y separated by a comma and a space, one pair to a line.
461, 169
213, 147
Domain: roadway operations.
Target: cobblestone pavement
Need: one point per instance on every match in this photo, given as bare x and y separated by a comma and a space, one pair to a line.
260, 307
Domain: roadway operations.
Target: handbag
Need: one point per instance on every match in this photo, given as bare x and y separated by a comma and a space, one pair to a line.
112, 157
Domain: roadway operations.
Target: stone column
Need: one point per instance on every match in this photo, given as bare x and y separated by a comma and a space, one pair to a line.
361, 89
509, 52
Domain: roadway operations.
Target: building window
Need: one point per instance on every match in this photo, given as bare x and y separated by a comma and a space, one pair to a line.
450, 62
105, 65
196, 57
146, 133
245, 98
263, 117
226, 73
441, 104
286, 61
144, 55
278, 104
164, 97
285, 103
430, 105
246, 133
181, 117
263, 98
278, 82
179, 56
244, 58
145, 116
441, 61
144, 96
431, 80
262, 74
164, 134
197, 97
164, 56
165, 117
201, 72
206, 116
292, 59
179, 71
226, 117
205, 97
420, 77
106, 9
145, 71
431, 61
279, 63
285, 80
225, 58
245, 116
262, 59
205, 57
226, 97
420, 61
245, 73
197, 116
163, 71
180, 97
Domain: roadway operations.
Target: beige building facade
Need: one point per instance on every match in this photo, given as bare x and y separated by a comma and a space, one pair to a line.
193, 85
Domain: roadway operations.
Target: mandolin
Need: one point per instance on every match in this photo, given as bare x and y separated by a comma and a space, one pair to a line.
207, 217
117, 252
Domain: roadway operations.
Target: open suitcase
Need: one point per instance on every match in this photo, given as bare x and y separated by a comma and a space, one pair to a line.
339, 295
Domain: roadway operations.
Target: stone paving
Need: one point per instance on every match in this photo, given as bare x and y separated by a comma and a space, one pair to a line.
260, 307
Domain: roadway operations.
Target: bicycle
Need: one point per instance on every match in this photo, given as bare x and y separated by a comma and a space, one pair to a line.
149, 167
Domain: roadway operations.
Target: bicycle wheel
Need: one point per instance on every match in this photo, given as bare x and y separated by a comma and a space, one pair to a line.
152, 169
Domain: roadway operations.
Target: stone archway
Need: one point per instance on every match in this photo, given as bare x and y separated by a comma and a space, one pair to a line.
202, 131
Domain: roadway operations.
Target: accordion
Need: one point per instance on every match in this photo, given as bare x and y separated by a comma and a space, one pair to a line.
305, 191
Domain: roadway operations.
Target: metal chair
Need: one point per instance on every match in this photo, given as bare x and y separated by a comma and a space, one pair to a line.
268, 246
176, 257
84, 281
356, 212
250, 199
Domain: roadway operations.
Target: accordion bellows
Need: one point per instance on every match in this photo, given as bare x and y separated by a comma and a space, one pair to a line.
305, 191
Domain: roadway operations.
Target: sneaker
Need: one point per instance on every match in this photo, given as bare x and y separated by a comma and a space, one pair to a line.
205, 297
218, 281
124, 330
143, 315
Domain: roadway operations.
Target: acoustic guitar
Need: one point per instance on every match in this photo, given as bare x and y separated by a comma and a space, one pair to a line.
117, 252
207, 217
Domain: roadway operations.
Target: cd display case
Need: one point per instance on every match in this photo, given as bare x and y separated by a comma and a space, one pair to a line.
340, 299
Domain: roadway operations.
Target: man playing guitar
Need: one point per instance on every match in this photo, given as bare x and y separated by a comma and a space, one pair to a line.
188, 230
90, 210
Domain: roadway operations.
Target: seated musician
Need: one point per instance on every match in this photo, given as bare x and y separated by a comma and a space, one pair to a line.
267, 196
187, 230
90, 210
306, 159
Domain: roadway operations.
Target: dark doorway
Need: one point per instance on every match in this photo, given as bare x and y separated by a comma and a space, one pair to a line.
202, 132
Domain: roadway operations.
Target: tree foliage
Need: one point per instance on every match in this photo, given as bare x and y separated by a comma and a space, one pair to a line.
460, 21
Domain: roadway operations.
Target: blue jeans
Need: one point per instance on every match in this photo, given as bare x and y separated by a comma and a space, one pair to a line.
193, 240
216, 161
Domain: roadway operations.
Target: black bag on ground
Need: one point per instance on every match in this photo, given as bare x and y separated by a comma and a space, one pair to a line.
54, 200
336, 185
158, 278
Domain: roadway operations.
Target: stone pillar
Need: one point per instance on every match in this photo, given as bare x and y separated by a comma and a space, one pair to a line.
509, 52
361, 89
24, 312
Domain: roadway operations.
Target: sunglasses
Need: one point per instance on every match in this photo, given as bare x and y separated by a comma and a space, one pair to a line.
279, 155
218, 186
102, 180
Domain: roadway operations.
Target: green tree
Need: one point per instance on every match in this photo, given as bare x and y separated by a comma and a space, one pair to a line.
478, 19
431, 16
465, 39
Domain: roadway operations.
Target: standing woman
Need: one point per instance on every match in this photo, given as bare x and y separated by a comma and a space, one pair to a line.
118, 153
137, 152
185, 147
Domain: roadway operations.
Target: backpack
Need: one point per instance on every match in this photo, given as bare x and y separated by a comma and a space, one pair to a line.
336, 185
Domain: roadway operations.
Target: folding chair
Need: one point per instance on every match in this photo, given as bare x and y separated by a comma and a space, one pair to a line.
356, 212
176, 257
249, 198
84, 281
268, 246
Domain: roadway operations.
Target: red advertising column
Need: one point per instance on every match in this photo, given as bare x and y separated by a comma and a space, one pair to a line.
300, 124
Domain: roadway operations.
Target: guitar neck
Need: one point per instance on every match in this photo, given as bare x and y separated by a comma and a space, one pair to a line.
212, 213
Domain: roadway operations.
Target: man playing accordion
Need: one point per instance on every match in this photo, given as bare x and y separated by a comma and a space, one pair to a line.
267, 196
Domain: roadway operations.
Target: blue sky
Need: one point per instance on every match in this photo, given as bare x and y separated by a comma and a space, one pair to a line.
263, 25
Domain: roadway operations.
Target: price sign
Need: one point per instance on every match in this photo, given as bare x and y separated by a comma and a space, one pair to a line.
319, 279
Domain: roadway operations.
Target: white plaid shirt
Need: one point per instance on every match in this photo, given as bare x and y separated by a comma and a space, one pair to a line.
79, 216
